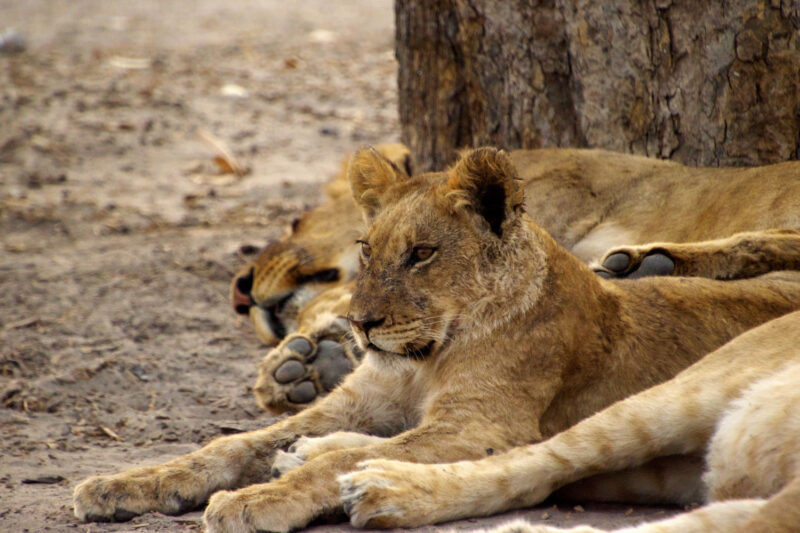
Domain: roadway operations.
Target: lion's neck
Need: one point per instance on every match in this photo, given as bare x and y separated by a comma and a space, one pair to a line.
567, 292
573, 287
509, 287
537, 281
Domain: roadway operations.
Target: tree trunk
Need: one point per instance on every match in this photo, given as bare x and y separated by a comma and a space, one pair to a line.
703, 83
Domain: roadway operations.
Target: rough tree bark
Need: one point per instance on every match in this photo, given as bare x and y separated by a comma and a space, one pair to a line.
703, 83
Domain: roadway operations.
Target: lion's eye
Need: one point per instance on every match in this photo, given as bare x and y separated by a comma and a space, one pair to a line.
366, 250
328, 275
421, 253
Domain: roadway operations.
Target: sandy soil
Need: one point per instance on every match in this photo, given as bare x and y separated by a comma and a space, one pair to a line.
119, 233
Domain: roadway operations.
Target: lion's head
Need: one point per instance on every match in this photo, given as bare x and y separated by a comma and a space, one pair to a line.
447, 255
317, 252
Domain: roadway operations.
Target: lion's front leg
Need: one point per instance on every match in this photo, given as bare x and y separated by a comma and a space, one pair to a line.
278, 506
390, 494
182, 484
232, 462
307, 448
288, 503
312, 490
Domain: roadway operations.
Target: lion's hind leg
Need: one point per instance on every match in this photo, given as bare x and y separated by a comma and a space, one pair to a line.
309, 364
300, 371
781, 514
625, 435
743, 255
755, 451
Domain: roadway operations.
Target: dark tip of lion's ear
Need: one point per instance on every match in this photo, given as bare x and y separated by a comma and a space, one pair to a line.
407, 165
486, 180
493, 207
399, 169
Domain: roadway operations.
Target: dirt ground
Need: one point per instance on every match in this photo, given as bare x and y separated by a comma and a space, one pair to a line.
119, 232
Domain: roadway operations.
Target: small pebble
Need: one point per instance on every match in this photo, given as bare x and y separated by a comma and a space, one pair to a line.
11, 41
248, 249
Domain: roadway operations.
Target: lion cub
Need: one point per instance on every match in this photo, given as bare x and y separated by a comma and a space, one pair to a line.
481, 334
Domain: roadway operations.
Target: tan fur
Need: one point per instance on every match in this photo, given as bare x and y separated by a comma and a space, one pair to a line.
498, 338
589, 200
739, 402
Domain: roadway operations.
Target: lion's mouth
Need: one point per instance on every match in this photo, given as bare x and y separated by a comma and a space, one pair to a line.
420, 353
274, 321
272, 315
269, 318
411, 352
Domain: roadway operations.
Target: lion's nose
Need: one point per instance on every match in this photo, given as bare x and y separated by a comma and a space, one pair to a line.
241, 293
366, 323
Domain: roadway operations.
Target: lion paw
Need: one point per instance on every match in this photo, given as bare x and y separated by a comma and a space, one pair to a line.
635, 262
306, 448
119, 498
226, 513
94, 500
258, 508
384, 494
299, 370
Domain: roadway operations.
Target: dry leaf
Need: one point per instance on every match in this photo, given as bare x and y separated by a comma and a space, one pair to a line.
225, 160
224, 165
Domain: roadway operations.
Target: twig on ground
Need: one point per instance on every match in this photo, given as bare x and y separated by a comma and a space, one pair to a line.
225, 158
111, 433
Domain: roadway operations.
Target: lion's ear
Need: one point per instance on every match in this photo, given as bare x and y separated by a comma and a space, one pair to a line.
486, 181
370, 174
399, 154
